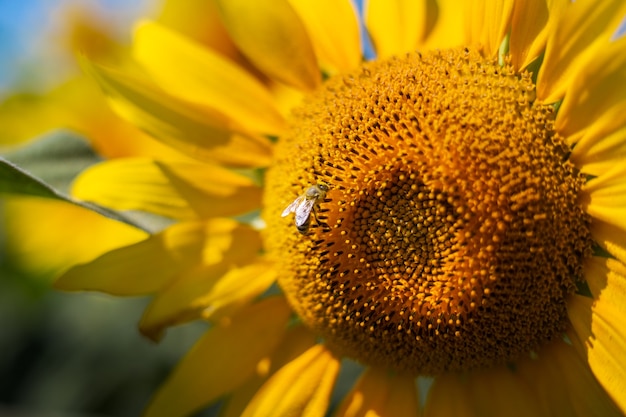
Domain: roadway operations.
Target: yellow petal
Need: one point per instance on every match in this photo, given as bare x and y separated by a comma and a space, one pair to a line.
297, 340
544, 377
33, 228
528, 31
596, 90
611, 238
564, 384
181, 190
609, 187
226, 245
146, 266
223, 359
502, 392
43, 113
594, 331
593, 112
609, 214
446, 387
209, 292
199, 20
397, 26
603, 145
598, 324
334, 31
85, 32
287, 98
607, 281
488, 23
449, 27
494, 392
237, 287
198, 75
577, 33
605, 197
379, 393
301, 388
188, 128
272, 36
77, 105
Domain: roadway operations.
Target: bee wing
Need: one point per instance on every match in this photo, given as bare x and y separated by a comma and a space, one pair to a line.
303, 211
291, 208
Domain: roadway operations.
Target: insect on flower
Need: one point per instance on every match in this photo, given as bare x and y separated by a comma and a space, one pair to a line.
306, 204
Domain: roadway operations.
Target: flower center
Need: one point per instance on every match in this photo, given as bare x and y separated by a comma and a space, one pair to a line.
450, 233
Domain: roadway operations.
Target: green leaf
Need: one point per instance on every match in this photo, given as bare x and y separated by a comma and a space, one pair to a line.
61, 162
55, 159
14, 179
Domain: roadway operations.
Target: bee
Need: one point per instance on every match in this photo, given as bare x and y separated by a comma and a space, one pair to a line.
306, 204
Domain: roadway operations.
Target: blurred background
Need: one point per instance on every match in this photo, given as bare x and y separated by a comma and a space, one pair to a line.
63, 354
32, 32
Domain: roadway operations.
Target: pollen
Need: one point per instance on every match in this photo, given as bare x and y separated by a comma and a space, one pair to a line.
451, 234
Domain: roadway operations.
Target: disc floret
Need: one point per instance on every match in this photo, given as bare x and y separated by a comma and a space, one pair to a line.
452, 229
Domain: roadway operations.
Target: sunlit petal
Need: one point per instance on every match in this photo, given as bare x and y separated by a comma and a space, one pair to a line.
603, 144
26, 217
301, 388
605, 197
488, 22
199, 20
609, 187
223, 359
297, 340
80, 106
577, 33
334, 31
610, 237
209, 292
528, 31
597, 323
449, 27
397, 26
194, 130
145, 267
182, 190
596, 91
195, 74
273, 37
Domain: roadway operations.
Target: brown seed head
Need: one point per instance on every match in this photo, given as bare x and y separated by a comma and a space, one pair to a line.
451, 233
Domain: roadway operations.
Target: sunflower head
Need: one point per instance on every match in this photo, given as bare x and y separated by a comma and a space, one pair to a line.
451, 234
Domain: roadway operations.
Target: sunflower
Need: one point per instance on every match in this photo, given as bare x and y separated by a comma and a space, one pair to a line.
459, 202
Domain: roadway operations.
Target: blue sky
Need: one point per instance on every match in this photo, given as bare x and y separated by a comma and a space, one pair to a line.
16, 19
26, 24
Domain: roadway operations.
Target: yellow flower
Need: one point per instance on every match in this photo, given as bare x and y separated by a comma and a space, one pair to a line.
459, 210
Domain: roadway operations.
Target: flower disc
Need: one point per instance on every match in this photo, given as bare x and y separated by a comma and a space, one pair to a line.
451, 233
